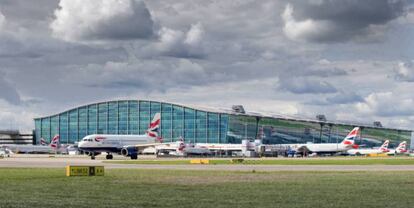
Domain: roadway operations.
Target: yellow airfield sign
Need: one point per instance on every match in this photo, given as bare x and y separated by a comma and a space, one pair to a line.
84, 170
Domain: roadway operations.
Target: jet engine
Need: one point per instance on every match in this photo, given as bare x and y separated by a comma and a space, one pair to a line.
130, 152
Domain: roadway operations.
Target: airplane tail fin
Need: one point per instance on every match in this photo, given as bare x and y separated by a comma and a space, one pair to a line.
350, 138
402, 147
180, 145
54, 143
384, 147
154, 127
43, 142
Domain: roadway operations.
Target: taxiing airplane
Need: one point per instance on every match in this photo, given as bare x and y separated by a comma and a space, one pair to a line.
365, 151
328, 148
401, 149
127, 145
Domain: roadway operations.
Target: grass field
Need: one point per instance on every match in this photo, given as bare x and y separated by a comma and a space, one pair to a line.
171, 188
291, 161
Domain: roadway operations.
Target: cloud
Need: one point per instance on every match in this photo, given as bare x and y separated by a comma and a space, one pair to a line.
146, 75
216, 53
180, 44
404, 71
386, 104
100, 20
339, 20
304, 30
345, 98
2, 21
303, 85
8, 92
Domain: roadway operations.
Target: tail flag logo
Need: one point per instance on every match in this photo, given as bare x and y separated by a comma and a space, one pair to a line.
55, 141
43, 141
154, 126
181, 144
350, 138
402, 147
384, 146
354, 133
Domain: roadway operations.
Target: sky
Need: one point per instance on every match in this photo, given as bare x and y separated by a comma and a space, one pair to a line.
350, 60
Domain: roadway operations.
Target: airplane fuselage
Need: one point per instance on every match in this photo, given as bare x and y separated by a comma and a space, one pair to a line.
326, 148
364, 151
111, 143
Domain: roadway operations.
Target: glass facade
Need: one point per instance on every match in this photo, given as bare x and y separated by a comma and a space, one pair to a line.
199, 126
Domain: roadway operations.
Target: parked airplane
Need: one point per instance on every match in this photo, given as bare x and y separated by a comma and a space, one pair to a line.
127, 145
365, 151
328, 148
402, 148
183, 149
52, 147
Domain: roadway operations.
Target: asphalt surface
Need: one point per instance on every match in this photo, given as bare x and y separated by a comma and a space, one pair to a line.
62, 161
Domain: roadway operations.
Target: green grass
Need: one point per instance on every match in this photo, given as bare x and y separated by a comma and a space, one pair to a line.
173, 188
291, 161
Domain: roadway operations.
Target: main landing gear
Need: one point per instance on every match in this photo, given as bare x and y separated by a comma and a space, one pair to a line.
134, 156
91, 154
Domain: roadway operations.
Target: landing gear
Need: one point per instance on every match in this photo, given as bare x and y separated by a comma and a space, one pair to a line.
134, 157
109, 157
91, 154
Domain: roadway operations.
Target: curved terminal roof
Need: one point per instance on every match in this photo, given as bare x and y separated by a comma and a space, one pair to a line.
248, 113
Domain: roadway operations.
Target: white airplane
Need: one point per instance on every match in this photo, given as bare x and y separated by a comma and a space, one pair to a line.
183, 149
365, 151
402, 148
127, 145
328, 148
44, 148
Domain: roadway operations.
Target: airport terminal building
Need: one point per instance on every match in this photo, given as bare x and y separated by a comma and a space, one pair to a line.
203, 125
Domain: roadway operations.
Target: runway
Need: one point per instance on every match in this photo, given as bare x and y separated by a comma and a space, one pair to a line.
61, 162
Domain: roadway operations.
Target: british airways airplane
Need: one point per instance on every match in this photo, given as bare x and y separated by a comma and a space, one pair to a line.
53, 147
329, 148
127, 145
401, 149
366, 151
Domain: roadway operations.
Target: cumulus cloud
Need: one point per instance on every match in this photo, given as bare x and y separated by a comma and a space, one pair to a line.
97, 20
304, 30
339, 20
303, 85
182, 44
404, 71
386, 104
